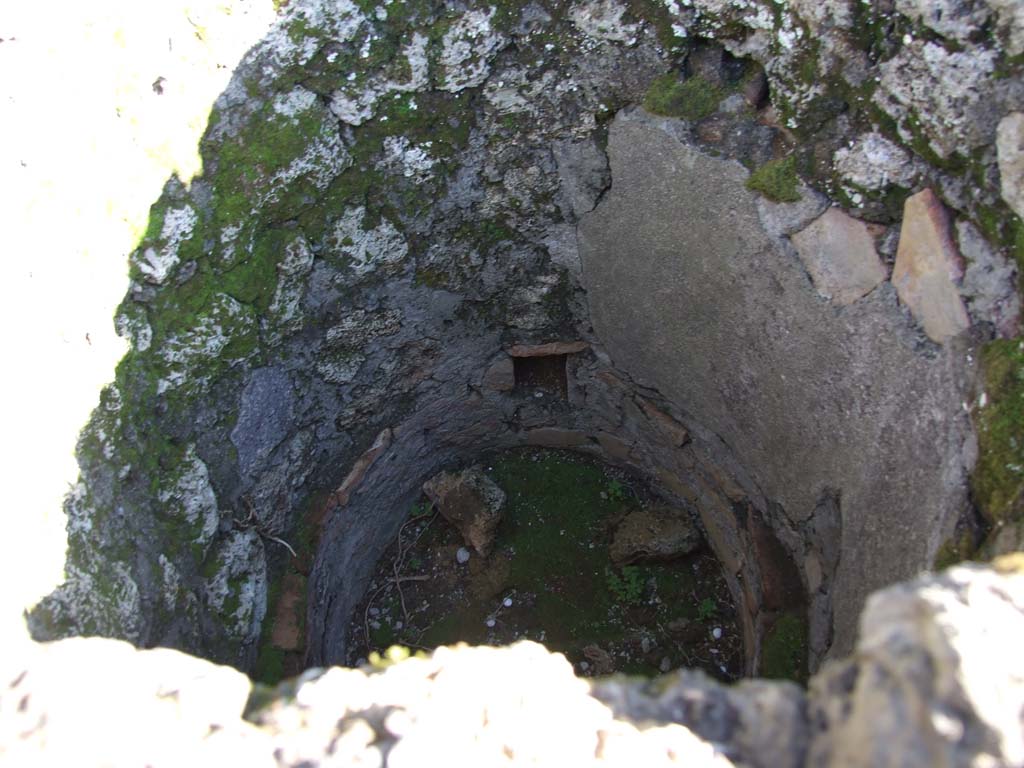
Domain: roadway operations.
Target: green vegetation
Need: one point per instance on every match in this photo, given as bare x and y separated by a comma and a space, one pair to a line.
998, 480
691, 99
616, 491
627, 586
706, 609
551, 559
784, 649
956, 549
776, 180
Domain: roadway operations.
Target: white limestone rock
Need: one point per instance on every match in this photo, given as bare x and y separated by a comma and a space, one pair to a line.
468, 46
1010, 149
367, 250
602, 20
948, 93
872, 162
192, 499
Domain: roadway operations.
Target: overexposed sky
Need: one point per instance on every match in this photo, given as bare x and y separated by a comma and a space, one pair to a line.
85, 147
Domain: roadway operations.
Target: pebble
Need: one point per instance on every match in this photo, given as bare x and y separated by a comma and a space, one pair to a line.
717, 633
462, 555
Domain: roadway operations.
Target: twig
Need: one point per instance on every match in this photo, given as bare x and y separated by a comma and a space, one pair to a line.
253, 522
284, 543
397, 579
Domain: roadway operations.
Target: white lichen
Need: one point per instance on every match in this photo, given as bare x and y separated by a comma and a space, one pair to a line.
602, 20
411, 160
192, 499
185, 353
367, 250
873, 162
157, 261
468, 46
238, 588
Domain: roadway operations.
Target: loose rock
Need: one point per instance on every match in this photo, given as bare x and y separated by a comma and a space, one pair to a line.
655, 533
470, 501
927, 264
840, 256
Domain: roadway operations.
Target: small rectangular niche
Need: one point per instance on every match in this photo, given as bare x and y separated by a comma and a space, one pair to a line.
545, 373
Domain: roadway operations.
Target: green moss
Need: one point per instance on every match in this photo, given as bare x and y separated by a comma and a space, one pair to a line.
784, 649
254, 280
269, 668
998, 479
248, 163
776, 180
956, 549
691, 99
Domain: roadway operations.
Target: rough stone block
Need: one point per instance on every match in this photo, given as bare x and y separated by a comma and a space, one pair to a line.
927, 264
839, 254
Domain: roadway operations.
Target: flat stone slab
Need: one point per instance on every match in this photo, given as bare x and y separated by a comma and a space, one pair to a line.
839, 254
691, 295
927, 264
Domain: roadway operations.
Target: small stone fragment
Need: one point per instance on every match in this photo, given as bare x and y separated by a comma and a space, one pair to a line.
839, 254
600, 659
927, 266
462, 555
470, 501
658, 532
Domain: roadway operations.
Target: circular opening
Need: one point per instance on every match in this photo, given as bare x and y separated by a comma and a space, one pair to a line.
561, 549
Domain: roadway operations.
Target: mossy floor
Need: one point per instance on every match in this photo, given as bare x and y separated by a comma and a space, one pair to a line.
550, 579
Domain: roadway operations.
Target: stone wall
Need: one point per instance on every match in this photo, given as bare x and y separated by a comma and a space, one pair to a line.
389, 205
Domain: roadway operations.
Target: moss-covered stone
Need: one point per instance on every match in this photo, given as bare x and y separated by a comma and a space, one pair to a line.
998, 479
784, 649
776, 180
692, 99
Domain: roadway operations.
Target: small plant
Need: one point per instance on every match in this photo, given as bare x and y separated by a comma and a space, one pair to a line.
627, 587
776, 180
616, 491
692, 99
706, 609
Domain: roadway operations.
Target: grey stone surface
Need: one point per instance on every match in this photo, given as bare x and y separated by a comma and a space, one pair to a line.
787, 218
583, 171
1010, 145
265, 417
990, 282
839, 254
670, 290
940, 653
